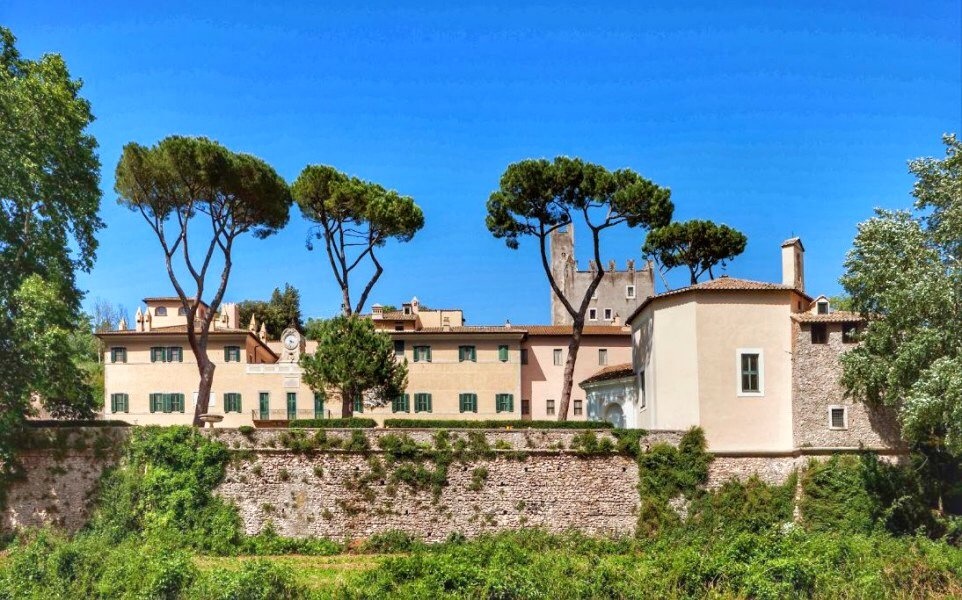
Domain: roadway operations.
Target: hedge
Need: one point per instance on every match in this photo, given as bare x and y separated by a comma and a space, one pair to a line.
493, 424
351, 423
45, 423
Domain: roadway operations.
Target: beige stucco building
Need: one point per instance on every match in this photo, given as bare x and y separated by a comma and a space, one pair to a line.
755, 364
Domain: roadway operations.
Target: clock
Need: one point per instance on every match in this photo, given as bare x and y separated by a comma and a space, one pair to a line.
293, 345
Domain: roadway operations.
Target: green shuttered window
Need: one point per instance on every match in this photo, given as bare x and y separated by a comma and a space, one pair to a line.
166, 403
291, 406
422, 354
422, 403
232, 354
401, 403
118, 355
503, 353
358, 406
232, 402
119, 403
319, 398
504, 403
467, 353
166, 354
468, 403
265, 406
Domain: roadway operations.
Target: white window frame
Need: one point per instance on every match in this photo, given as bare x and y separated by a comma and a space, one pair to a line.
738, 372
557, 357
592, 314
609, 314
844, 410
602, 357
630, 292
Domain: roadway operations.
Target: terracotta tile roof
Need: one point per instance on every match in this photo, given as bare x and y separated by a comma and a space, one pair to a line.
838, 316
722, 284
173, 329
566, 329
168, 299
398, 315
610, 372
466, 329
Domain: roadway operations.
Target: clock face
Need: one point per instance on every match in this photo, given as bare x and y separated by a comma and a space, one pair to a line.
290, 341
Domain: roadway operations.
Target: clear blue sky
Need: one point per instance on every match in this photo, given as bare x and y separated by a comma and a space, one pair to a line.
780, 121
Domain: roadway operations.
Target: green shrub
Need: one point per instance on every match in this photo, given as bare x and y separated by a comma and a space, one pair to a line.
60, 423
391, 542
492, 424
350, 423
587, 442
256, 580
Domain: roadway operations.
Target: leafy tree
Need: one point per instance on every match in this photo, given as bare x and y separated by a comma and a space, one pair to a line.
281, 311
353, 359
354, 218
537, 197
49, 198
192, 180
904, 271
696, 244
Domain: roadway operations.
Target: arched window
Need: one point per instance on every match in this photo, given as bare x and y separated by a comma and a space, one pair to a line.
160, 311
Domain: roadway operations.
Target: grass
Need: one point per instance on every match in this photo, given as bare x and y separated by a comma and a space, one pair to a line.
313, 572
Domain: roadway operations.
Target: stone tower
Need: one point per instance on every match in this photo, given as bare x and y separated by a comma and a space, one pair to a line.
617, 296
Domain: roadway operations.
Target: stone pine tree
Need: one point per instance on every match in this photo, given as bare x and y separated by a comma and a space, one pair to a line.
537, 197
697, 245
49, 200
198, 198
353, 219
354, 360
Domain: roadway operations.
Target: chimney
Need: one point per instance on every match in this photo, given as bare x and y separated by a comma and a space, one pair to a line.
233, 315
122, 325
446, 324
139, 320
377, 311
147, 319
793, 264
252, 326
263, 333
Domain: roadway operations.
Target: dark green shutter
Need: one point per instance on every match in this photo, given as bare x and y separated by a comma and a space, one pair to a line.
358, 405
291, 406
503, 353
227, 353
429, 353
265, 406
318, 405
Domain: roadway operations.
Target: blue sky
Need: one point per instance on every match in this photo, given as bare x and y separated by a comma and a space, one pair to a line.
778, 119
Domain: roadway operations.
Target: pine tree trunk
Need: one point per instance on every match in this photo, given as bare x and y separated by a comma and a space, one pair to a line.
569, 374
206, 370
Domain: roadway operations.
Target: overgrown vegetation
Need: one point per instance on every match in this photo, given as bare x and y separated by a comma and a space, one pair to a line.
492, 424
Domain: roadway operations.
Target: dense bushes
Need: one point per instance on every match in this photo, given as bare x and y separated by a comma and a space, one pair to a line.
349, 423
493, 424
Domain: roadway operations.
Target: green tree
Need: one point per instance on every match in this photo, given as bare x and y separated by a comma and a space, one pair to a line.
696, 244
49, 198
281, 311
354, 360
353, 218
192, 180
537, 197
904, 272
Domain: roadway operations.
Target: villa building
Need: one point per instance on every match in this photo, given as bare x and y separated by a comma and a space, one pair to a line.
755, 364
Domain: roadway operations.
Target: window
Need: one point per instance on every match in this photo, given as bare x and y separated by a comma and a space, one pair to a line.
579, 407
822, 307
549, 407
407, 309
422, 354
401, 403
168, 354
166, 403
849, 333
358, 405
602, 356
181, 312
503, 353
467, 353
750, 372
232, 402
525, 407
231, 353
524, 356
399, 327
837, 417
422, 403
291, 406
629, 291
398, 347
160, 311
607, 314
118, 355
643, 400
504, 403
119, 403
557, 357
319, 398
265, 406
468, 403
592, 314
819, 333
